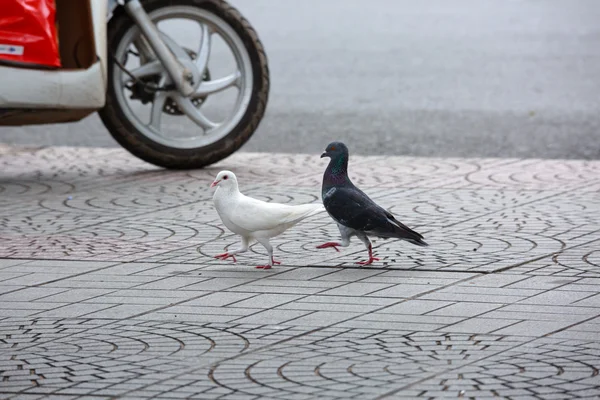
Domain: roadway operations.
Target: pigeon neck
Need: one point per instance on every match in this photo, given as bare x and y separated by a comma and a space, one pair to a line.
230, 189
338, 169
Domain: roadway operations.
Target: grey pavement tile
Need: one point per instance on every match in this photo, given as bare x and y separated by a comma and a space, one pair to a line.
423, 275
91, 284
472, 288
171, 283
349, 275
542, 282
30, 279
122, 311
337, 307
180, 294
268, 300
30, 294
536, 315
68, 269
472, 297
8, 262
297, 283
592, 325
74, 295
556, 298
356, 289
413, 280
23, 312
481, 325
358, 300
322, 318
132, 268
578, 287
218, 299
272, 317
9, 289
188, 318
261, 289
305, 273
186, 309
133, 280
84, 265
415, 307
391, 325
215, 284
589, 281
74, 310
403, 291
551, 309
135, 300
592, 301
28, 305
499, 280
408, 318
534, 328
437, 278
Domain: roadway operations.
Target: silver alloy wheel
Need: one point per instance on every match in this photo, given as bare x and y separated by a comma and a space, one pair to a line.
210, 131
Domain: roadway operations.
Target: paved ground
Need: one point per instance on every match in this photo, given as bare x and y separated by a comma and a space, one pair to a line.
466, 78
105, 294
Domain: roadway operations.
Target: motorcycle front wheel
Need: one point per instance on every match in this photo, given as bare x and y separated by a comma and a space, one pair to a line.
149, 118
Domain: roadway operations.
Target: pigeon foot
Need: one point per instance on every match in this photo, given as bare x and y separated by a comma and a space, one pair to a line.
369, 261
225, 256
263, 267
330, 244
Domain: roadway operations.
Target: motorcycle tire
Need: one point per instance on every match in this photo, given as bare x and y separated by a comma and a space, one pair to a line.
134, 141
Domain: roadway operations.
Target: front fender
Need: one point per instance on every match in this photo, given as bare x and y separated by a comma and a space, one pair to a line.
112, 5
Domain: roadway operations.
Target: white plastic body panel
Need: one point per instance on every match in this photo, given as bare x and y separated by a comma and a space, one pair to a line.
64, 89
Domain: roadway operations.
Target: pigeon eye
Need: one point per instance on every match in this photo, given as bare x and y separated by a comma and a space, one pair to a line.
225, 177
332, 148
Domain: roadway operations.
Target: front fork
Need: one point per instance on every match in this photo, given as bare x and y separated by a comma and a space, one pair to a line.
181, 77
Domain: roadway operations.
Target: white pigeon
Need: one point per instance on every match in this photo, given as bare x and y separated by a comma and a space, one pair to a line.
254, 219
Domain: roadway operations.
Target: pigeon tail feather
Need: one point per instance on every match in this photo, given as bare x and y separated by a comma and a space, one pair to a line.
400, 231
419, 242
303, 211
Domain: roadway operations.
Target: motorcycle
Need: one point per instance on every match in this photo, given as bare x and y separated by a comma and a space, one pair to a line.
160, 95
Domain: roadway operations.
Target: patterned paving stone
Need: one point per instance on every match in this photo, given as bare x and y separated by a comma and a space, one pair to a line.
63, 354
543, 369
109, 288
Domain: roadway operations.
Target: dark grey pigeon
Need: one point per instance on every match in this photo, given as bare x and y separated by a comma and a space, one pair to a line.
355, 213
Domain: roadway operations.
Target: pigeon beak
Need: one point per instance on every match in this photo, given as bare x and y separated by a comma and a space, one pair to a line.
325, 154
215, 183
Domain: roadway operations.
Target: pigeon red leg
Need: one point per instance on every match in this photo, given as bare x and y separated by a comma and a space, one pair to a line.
268, 266
232, 254
330, 244
225, 256
371, 258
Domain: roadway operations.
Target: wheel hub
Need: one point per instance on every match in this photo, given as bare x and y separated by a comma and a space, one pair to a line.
141, 89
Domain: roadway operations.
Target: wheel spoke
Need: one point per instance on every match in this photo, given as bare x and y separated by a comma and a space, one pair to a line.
148, 69
186, 105
217, 85
157, 109
204, 50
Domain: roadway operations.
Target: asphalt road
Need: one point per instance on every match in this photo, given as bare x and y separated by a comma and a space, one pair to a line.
472, 78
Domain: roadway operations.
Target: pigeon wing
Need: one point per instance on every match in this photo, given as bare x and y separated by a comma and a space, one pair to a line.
255, 215
353, 208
